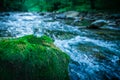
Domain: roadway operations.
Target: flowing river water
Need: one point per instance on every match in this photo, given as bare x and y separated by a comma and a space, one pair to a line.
95, 54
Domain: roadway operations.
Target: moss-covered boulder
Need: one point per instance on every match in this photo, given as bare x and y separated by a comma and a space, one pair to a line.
32, 58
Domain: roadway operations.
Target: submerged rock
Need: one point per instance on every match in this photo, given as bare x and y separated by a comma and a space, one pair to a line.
32, 58
97, 24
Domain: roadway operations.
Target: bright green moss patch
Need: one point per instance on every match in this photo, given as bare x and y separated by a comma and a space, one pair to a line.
31, 58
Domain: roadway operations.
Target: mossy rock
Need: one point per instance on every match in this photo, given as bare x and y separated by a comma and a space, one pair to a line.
32, 58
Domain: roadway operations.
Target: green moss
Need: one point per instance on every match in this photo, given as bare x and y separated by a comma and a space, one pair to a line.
31, 58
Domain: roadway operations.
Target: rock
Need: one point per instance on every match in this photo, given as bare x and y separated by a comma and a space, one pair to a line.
5, 14
77, 20
5, 33
60, 16
99, 14
49, 14
71, 14
114, 16
32, 58
38, 31
112, 23
97, 24
68, 15
117, 22
41, 13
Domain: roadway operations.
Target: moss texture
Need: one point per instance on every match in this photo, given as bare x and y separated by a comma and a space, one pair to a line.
32, 58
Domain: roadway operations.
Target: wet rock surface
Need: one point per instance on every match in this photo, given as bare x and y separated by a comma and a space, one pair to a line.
97, 24
95, 54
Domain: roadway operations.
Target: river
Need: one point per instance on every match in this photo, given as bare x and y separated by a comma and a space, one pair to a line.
95, 54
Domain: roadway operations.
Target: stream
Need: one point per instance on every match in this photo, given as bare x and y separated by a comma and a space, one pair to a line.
94, 53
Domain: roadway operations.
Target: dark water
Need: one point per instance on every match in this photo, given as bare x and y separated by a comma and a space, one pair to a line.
95, 54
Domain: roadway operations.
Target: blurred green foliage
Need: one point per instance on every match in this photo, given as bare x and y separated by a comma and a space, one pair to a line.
58, 5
